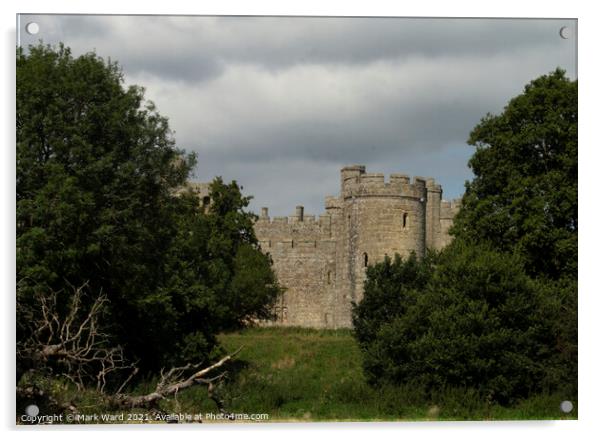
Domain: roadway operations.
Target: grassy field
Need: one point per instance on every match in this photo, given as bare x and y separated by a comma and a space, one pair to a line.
315, 375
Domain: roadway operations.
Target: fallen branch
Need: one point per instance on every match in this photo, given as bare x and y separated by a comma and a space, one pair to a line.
167, 388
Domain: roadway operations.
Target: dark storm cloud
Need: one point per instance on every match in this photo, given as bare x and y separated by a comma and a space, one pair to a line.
280, 103
199, 46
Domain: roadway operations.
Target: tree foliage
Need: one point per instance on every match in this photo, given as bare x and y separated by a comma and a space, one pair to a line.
524, 195
495, 311
97, 177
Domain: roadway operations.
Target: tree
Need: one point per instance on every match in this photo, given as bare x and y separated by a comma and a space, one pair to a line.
524, 195
97, 177
523, 199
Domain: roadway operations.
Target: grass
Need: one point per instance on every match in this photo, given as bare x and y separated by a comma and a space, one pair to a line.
306, 375
295, 374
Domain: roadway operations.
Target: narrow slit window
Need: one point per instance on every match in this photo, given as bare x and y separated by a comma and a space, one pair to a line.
404, 221
365, 259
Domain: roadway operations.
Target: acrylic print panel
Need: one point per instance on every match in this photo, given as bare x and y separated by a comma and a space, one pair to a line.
275, 219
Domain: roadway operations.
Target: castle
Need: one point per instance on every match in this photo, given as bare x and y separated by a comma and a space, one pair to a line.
322, 261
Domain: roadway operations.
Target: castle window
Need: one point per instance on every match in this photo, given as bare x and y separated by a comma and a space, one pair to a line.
404, 221
365, 259
328, 278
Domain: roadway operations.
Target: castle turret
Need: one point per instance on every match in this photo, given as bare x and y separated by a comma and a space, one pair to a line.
378, 218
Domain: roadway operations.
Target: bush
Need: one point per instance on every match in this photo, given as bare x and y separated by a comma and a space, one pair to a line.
470, 318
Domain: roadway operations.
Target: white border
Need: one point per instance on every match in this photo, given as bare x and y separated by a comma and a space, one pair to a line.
589, 155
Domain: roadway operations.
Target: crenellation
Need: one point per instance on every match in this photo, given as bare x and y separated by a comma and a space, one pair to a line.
374, 185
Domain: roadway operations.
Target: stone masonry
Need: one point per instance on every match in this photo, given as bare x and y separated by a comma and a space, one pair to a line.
321, 262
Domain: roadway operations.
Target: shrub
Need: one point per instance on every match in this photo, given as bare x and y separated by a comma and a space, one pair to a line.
470, 318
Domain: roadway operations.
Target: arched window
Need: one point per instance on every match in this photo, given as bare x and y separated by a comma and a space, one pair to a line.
404, 221
365, 259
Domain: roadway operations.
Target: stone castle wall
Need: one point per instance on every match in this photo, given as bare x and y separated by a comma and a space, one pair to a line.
321, 261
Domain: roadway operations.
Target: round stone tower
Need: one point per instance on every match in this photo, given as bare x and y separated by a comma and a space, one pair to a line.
379, 219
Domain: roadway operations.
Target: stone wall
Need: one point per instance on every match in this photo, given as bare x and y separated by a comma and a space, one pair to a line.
321, 261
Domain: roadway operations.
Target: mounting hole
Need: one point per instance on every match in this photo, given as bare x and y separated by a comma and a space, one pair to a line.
32, 28
566, 406
565, 32
32, 410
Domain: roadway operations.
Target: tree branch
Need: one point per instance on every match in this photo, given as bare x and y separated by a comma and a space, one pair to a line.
165, 389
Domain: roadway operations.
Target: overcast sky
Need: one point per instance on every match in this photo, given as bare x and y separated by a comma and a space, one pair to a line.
280, 104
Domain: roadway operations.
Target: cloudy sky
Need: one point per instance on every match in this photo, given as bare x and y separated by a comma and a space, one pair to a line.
280, 104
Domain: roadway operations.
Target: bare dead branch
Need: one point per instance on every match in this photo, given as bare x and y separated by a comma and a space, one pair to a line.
74, 340
165, 388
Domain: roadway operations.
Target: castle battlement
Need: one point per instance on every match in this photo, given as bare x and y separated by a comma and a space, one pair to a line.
356, 182
293, 226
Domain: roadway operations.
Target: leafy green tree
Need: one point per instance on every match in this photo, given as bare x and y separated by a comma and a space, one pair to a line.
523, 198
97, 177
524, 195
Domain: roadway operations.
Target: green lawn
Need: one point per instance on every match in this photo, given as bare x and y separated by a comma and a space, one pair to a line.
315, 375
